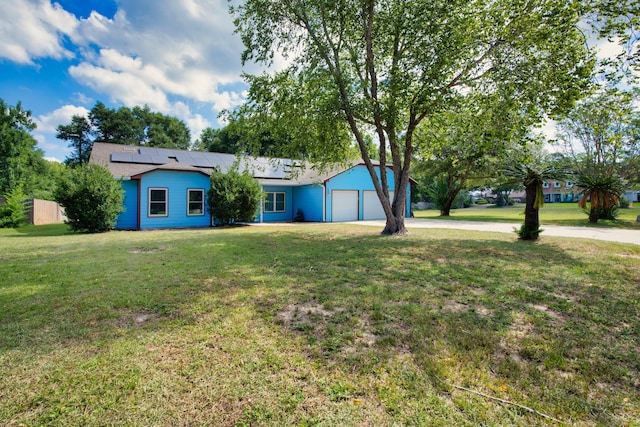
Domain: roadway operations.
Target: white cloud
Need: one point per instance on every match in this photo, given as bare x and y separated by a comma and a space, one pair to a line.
47, 123
165, 54
45, 133
34, 29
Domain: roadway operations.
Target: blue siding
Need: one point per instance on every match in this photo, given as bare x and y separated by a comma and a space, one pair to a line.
128, 220
177, 183
288, 214
358, 178
309, 199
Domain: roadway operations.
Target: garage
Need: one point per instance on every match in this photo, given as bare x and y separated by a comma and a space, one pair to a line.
344, 205
372, 208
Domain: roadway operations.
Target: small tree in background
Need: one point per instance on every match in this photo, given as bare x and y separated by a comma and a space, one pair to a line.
12, 210
603, 193
91, 197
532, 176
233, 196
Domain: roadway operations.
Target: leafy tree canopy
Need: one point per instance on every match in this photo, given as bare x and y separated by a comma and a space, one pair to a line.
255, 135
618, 21
134, 126
470, 141
601, 136
381, 68
22, 163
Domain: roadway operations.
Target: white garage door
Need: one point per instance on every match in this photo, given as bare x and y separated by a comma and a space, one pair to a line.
344, 205
372, 208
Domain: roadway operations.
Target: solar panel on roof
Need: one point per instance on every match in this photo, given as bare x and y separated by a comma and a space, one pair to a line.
203, 163
148, 151
141, 158
121, 157
159, 160
184, 158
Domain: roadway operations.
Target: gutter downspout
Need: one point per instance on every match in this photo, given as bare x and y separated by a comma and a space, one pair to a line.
139, 201
324, 202
261, 204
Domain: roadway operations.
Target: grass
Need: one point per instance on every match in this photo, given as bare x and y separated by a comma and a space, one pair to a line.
568, 214
315, 325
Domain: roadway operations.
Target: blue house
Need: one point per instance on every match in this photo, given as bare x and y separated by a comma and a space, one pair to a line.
167, 188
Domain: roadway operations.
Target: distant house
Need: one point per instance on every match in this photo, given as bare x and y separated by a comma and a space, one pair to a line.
167, 188
559, 191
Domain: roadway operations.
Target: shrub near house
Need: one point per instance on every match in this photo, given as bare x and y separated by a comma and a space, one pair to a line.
91, 197
233, 197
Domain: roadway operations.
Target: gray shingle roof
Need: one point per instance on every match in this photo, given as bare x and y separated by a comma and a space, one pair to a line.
125, 161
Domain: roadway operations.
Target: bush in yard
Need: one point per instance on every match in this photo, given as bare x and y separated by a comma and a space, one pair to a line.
91, 197
624, 203
233, 197
12, 209
602, 192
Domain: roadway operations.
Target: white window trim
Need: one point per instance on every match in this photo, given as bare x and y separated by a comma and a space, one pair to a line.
556, 184
166, 202
545, 184
274, 202
189, 190
569, 184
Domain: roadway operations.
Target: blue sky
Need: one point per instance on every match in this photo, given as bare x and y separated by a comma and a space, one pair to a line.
180, 57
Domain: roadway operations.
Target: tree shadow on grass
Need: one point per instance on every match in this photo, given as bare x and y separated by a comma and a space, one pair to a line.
461, 309
503, 310
49, 230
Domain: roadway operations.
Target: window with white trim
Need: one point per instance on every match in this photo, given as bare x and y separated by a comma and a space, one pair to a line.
195, 202
158, 202
556, 184
545, 184
274, 202
569, 184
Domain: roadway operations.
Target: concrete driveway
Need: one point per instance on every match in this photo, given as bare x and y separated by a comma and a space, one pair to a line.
609, 234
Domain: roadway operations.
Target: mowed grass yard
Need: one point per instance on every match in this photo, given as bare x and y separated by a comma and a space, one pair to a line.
568, 214
316, 325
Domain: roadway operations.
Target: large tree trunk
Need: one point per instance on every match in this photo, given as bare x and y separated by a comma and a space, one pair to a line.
446, 208
395, 225
531, 228
396, 214
452, 193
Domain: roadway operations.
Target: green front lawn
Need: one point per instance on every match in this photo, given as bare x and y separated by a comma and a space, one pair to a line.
551, 214
316, 325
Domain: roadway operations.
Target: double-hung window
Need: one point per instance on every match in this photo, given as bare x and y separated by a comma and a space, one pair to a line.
274, 202
158, 201
195, 202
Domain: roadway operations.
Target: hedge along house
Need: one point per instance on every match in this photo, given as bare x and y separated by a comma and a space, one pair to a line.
166, 188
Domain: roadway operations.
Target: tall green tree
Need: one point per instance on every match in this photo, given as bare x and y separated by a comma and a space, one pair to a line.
601, 137
22, 163
79, 134
253, 135
469, 141
134, 126
381, 68
159, 130
116, 126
